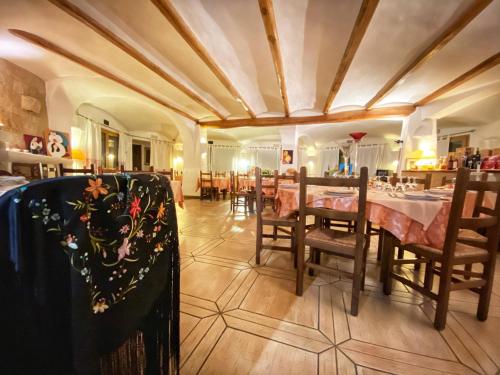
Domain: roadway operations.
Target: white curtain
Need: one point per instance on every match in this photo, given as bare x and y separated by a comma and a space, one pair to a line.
160, 154
266, 158
329, 158
125, 151
377, 156
223, 158
90, 140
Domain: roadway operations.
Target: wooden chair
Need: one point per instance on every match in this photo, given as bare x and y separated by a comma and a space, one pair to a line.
206, 185
238, 197
64, 171
222, 191
169, 173
135, 170
102, 170
455, 253
426, 182
426, 185
446, 181
339, 243
271, 218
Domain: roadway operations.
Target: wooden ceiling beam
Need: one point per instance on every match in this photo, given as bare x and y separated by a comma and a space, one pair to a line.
444, 38
269, 20
478, 69
365, 15
346, 116
54, 48
174, 18
107, 34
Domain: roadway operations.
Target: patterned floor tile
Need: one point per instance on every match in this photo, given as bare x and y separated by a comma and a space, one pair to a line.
239, 317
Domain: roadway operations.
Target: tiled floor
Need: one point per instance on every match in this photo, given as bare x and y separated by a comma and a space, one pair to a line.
239, 318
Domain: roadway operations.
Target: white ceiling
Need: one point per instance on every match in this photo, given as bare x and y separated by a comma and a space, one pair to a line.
313, 35
319, 134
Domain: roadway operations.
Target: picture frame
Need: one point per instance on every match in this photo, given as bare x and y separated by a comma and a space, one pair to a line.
35, 144
58, 144
286, 157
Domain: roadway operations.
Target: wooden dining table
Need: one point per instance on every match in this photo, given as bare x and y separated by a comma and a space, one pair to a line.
410, 221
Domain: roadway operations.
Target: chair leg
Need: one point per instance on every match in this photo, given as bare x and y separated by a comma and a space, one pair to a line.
443, 298
299, 286
389, 260
258, 242
429, 275
275, 233
312, 256
401, 252
467, 268
380, 245
294, 247
356, 284
365, 255
485, 293
417, 265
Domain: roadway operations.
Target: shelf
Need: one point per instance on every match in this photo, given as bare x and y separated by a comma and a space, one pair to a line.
23, 157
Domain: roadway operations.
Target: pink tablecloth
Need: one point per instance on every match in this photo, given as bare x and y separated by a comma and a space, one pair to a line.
178, 194
404, 225
221, 183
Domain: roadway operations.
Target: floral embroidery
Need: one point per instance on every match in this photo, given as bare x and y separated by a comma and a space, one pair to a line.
124, 229
96, 188
121, 248
161, 211
135, 207
124, 249
100, 306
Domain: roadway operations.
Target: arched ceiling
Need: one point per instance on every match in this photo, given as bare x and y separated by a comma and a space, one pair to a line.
218, 60
320, 133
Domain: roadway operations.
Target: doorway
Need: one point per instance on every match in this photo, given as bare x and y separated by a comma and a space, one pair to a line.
136, 157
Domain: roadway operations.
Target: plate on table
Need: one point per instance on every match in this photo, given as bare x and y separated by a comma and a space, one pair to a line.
12, 180
441, 191
339, 192
421, 196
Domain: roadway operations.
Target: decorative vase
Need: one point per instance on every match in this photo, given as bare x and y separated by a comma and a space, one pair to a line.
357, 137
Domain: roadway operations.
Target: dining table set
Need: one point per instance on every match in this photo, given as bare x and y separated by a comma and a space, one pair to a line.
411, 216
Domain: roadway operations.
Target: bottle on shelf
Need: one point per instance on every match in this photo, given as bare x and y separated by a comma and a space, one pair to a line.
450, 163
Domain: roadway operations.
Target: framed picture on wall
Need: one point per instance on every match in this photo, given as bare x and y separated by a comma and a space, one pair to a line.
286, 157
58, 144
35, 144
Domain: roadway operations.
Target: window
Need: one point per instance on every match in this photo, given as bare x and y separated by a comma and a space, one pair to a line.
109, 149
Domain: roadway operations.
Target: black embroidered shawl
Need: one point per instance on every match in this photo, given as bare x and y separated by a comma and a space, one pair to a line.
85, 263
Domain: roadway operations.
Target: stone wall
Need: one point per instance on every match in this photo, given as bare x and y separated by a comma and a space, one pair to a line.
22, 104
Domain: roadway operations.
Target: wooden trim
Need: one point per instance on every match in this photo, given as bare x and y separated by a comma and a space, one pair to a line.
478, 69
446, 36
269, 20
49, 46
365, 15
345, 116
107, 34
174, 18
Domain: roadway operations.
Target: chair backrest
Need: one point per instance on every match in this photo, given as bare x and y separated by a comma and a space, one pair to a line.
426, 181
484, 217
206, 178
259, 196
63, 171
169, 173
290, 176
360, 182
269, 184
220, 174
135, 170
